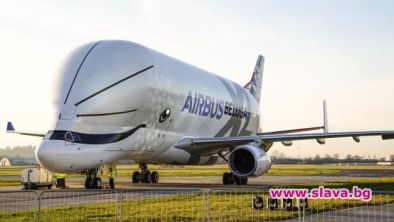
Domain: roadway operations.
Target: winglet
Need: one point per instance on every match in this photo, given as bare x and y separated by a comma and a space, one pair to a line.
10, 127
325, 121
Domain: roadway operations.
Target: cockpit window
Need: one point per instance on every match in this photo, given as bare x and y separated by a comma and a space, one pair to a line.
90, 138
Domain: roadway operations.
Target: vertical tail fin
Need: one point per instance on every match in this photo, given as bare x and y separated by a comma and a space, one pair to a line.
254, 85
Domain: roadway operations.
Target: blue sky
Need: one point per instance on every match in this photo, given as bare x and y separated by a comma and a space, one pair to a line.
341, 51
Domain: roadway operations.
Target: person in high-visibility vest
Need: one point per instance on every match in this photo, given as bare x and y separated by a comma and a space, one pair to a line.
61, 180
112, 174
57, 179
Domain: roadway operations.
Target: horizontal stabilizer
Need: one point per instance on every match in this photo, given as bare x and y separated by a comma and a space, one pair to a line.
11, 129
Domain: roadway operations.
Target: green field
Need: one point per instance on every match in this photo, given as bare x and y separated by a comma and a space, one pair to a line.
215, 170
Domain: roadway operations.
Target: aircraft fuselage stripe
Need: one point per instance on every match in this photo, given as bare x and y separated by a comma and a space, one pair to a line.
114, 84
105, 114
79, 68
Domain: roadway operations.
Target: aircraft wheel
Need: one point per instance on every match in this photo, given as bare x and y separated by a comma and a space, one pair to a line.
231, 178
88, 183
155, 177
136, 177
226, 178
27, 186
238, 180
148, 177
243, 180
33, 187
97, 183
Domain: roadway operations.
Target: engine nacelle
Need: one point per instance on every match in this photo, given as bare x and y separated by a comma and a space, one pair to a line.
248, 161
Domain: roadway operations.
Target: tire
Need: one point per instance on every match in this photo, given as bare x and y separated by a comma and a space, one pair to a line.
155, 177
88, 183
231, 178
148, 177
97, 183
238, 180
226, 178
244, 180
33, 187
136, 178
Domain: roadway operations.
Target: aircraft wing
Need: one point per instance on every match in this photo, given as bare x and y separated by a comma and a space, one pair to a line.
213, 145
292, 130
11, 129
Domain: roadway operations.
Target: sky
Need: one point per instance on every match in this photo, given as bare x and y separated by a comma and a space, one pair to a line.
338, 50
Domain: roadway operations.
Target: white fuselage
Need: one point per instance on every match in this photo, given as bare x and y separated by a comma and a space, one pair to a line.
113, 98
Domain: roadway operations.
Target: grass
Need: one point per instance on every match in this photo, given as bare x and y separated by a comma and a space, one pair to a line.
4, 182
215, 170
224, 206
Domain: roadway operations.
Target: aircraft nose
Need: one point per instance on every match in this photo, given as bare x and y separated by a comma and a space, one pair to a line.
46, 154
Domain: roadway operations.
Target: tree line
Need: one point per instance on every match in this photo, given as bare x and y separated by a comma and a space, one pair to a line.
280, 157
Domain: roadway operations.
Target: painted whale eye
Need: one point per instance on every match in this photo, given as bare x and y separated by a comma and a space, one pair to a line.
164, 115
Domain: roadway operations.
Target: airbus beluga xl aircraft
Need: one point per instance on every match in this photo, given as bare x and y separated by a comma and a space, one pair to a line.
120, 100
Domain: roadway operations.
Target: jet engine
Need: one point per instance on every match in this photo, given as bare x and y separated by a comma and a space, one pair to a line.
248, 161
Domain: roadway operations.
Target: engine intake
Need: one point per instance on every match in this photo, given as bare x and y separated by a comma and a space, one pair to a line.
248, 161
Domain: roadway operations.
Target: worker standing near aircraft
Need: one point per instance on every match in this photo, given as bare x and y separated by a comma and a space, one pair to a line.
61, 180
112, 174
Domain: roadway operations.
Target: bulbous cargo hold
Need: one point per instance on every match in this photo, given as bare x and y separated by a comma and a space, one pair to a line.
115, 77
103, 78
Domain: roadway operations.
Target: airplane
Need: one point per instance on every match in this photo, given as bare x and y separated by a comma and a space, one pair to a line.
120, 100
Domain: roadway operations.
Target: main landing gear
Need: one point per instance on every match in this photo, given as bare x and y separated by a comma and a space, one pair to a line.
230, 178
92, 180
145, 176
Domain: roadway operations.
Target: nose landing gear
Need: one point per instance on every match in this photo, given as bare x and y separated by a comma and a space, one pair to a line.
92, 180
145, 176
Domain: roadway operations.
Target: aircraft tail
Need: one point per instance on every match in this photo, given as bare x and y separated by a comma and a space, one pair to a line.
254, 85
